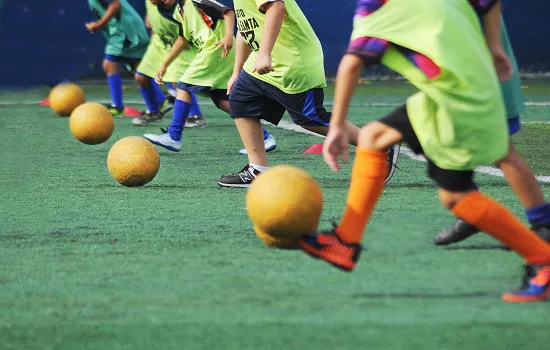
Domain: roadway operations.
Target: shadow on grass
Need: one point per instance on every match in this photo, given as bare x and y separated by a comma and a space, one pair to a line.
479, 247
420, 295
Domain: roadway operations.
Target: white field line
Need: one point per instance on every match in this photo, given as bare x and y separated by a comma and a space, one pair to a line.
284, 124
208, 103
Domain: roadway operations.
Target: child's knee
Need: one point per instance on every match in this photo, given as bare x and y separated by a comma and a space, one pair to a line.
142, 80
450, 199
110, 67
375, 136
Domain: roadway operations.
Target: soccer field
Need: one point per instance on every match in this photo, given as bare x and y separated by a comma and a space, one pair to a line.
86, 263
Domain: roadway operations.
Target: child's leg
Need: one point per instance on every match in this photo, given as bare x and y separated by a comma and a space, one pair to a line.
524, 183
182, 107
159, 95
195, 109
147, 88
114, 79
493, 218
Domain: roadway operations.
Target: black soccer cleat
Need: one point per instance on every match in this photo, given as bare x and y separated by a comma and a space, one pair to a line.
457, 232
241, 179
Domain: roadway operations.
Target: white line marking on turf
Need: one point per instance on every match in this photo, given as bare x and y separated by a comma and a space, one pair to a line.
208, 103
285, 124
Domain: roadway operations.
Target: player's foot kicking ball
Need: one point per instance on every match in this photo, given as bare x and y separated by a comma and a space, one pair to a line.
461, 231
114, 109
269, 144
195, 121
393, 157
164, 140
536, 288
148, 118
241, 179
329, 247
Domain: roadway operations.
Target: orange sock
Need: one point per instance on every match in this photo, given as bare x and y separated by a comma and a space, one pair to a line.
493, 218
367, 182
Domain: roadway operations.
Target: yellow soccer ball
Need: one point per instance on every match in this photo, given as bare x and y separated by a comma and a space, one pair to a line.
133, 161
65, 97
91, 123
284, 203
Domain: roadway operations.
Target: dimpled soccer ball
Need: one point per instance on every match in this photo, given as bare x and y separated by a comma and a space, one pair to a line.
65, 97
284, 203
133, 161
92, 123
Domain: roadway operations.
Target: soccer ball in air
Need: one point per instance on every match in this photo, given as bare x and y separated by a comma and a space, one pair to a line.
91, 123
65, 97
133, 161
284, 203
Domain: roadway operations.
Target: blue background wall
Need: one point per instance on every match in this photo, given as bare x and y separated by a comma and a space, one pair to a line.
42, 41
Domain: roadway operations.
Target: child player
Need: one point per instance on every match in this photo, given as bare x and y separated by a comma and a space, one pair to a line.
208, 27
127, 41
278, 67
519, 175
165, 31
456, 120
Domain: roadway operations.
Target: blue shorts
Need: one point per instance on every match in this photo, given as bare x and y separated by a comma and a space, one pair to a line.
121, 59
251, 97
514, 125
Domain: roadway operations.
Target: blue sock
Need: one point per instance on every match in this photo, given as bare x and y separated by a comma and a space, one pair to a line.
179, 117
539, 215
266, 134
149, 95
159, 95
195, 109
115, 85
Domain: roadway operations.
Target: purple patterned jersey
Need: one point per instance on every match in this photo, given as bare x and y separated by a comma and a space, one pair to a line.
372, 49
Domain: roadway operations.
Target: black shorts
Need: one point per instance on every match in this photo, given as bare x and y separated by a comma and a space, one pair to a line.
251, 97
206, 91
450, 180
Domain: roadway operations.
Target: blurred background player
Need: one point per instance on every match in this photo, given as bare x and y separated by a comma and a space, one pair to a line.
517, 171
127, 41
456, 120
208, 27
164, 30
277, 67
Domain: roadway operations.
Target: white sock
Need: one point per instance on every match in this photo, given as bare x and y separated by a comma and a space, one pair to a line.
260, 168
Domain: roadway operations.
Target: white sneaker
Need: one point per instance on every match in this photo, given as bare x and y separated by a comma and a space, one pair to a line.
269, 145
164, 140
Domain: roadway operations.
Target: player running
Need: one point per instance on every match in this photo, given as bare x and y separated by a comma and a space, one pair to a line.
456, 120
165, 31
517, 172
207, 26
278, 68
127, 41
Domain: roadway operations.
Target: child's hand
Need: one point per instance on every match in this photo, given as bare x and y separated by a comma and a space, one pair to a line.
226, 44
263, 65
335, 146
92, 27
231, 83
502, 63
160, 74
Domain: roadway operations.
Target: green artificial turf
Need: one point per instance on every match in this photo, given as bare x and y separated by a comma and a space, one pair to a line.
88, 264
